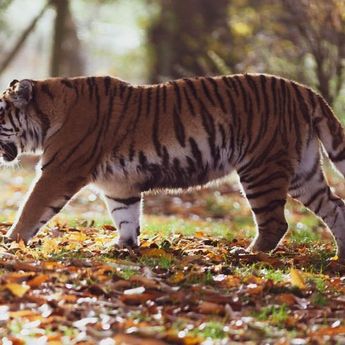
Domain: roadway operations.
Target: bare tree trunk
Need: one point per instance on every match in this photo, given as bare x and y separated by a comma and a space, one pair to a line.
66, 57
182, 37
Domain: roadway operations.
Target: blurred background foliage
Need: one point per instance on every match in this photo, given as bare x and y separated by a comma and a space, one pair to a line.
148, 41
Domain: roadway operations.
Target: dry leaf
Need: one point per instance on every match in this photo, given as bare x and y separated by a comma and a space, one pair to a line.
18, 290
38, 280
296, 278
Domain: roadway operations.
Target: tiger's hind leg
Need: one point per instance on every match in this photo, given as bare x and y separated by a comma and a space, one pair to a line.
126, 213
310, 187
266, 191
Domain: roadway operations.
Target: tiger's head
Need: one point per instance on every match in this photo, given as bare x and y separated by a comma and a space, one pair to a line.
13, 119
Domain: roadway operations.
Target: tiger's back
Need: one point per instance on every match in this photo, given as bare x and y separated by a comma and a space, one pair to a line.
131, 139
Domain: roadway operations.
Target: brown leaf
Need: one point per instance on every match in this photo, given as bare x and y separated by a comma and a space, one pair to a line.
146, 282
126, 339
136, 299
286, 298
210, 308
38, 280
329, 331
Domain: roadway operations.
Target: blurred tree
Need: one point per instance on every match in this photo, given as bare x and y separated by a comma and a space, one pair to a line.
21, 39
189, 37
66, 59
317, 29
3, 6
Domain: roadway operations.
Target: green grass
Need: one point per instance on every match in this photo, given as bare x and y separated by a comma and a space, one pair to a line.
210, 330
167, 227
303, 234
153, 262
277, 315
127, 273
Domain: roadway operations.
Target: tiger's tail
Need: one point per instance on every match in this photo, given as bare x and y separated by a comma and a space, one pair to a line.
331, 133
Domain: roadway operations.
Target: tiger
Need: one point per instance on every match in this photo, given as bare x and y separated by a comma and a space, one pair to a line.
128, 140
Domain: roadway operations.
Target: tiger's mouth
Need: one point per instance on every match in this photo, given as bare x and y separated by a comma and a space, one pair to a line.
9, 151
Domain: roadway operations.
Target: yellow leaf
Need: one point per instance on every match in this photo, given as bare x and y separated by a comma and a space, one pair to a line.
18, 290
296, 278
177, 277
157, 253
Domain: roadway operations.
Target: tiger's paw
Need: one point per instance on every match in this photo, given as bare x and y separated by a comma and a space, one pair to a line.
13, 235
129, 242
238, 251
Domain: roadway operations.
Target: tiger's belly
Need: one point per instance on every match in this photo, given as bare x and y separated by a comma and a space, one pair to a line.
149, 173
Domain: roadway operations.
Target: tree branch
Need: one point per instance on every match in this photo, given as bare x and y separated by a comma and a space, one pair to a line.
22, 39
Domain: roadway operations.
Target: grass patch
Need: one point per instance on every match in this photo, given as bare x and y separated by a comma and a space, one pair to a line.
210, 330
167, 227
277, 315
154, 262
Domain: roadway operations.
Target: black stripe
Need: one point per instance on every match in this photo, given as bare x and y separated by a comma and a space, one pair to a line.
197, 155
315, 195
165, 98
192, 87
301, 101
90, 83
189, 102
12, 122
55, 209
148, 100
216, 91
255, 182
45, 89
67, 83
119, 209
265, 96
269, 207
126, 201
178, 96
252, 84
233, 84
313, 170
107, 81
337, 157
207, 92
123, 222
261, 193
155, 127
318, 207
179, 129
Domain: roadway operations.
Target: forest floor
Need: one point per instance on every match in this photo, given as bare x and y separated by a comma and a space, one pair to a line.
183, 286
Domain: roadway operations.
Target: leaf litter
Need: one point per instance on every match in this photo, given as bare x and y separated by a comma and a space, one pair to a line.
182, 286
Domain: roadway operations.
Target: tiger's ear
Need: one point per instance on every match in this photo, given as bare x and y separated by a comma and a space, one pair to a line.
20, 92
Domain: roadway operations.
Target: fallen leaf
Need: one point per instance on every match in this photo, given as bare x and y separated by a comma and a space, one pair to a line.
157, 253
137, 299
177, 277
205, 307
38, 280
296, 278
18, 290
286, 298
329, 331
125, 339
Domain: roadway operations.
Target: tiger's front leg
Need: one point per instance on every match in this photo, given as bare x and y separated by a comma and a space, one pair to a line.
48, 196
126, 213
